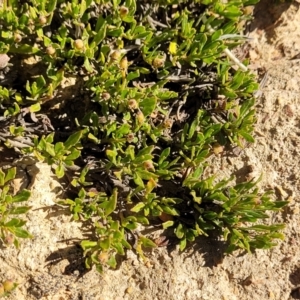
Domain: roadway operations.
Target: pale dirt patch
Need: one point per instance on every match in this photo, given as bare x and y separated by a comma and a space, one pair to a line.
51, 267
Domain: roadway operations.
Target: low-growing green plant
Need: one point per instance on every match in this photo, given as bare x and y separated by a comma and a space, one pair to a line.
158, 89
11, 227
59, 155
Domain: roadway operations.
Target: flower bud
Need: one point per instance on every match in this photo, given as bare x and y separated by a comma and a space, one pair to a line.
103, 257
124, 63
8, 285
257, 201
50, 50
30, 23
148, 164
168, 123
42, 20
17, 37
81, 25
105, 96
158, 62
78, 44
154, 114
123, 10
116, 55
130, 138
9, 239
132, 104
140, 117
217, 148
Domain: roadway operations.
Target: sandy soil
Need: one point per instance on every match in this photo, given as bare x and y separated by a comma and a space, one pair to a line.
51, 267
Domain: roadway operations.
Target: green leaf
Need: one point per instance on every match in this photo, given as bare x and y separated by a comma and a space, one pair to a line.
115, 32
112, 262
20, 210
133, 75
143, 70
167, 224
170, 210
50, 149
49, 139
190, 236
22, 233
137, 208
237, 80
128, 19
146, 175
22, 196
138, 180
105, 244
246, 106
180, 231
192, 129
10, 174
15, 223
73, 140
196, 198
148, 105
74, 155
23, 49
164, 155
124, 129
126, 244
218, 196
140, 159
119, 247
99, 37
237, 233
59, 148
35, 107
147, 242
87, 64
2, 178
51, 5
60, 171
131, 226
182, 244
143, 220
112, 203
151, 184
248, 137
130, 152
93, 138
145, 151
112, 154
87, 244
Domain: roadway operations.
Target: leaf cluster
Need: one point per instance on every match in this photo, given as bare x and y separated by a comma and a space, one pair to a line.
155, 93
11, 226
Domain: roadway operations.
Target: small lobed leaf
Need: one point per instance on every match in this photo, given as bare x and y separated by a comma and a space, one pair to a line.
22, 196
22, 233
73, 140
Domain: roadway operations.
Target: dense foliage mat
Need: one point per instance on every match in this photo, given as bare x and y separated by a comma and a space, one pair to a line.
129, 102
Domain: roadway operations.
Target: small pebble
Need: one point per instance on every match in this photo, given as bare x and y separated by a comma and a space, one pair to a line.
129, 290
4, 59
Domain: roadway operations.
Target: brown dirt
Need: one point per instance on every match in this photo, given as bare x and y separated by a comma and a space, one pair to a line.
50, 266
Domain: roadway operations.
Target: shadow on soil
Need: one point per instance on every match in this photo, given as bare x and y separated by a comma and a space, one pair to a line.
267, 16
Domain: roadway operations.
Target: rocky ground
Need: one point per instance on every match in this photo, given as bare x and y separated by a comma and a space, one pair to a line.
51, 267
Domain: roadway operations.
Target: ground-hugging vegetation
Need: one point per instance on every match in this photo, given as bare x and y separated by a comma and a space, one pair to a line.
155, 92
